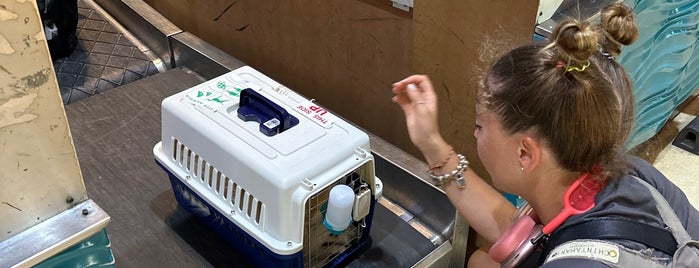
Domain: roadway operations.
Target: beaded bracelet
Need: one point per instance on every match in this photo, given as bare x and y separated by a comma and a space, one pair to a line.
456, 174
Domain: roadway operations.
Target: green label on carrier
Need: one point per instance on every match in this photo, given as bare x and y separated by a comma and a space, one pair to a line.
207, 99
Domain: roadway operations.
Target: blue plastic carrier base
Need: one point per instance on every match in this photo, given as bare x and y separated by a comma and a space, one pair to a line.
247, 245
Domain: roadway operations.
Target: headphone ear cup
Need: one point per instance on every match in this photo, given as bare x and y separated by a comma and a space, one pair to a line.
511, 239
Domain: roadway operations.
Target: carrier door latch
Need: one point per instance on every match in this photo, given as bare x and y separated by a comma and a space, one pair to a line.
362, 203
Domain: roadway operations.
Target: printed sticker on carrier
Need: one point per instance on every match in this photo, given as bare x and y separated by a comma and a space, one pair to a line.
265, 167
317, 114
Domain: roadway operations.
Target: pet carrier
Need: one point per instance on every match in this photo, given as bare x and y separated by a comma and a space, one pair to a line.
263, 166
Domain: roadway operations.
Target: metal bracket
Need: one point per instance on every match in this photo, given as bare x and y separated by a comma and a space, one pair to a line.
405, 5
57, 233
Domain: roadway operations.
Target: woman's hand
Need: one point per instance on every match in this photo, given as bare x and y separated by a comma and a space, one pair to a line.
484, 208
417, 98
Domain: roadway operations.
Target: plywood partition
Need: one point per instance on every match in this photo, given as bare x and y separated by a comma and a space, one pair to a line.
39, 172
449, 43
347, 53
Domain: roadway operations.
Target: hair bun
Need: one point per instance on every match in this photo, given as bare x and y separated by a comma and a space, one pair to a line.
575, 40
618, 21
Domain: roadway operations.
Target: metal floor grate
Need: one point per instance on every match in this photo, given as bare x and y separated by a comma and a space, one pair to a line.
104, 58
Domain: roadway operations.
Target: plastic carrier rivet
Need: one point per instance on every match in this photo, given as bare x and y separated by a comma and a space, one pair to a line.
360, 152
307, 184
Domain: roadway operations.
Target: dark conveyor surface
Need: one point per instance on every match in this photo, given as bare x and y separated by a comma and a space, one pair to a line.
114, 134
103, 59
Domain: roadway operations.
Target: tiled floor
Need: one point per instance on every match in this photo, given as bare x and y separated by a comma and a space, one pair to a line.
678, 165
681, 167
104, 58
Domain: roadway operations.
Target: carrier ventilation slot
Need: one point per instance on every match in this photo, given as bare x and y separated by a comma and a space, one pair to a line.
320, 247
218, 183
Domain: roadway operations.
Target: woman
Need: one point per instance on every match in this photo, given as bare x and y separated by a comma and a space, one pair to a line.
548, 115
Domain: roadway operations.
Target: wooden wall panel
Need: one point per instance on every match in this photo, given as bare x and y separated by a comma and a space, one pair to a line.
448, 35
38, 166
182, 12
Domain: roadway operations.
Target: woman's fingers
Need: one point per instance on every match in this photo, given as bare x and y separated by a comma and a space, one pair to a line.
421, 81
413, 93
403, 102
414, 90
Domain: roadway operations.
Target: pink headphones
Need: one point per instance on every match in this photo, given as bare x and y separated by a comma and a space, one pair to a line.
525, 234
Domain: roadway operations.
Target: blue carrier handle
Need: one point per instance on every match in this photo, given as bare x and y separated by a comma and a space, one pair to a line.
273, 118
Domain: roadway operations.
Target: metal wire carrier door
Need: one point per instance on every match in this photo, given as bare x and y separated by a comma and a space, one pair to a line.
319, 245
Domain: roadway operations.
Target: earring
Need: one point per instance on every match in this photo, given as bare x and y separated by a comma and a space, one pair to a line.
521, 168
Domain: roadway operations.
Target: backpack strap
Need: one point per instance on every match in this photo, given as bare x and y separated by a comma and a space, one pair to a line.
668, 214
609, 253
609, 228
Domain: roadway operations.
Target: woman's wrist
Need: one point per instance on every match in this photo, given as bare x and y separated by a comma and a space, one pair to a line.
444, 164
443, 176
441, 164
436, 152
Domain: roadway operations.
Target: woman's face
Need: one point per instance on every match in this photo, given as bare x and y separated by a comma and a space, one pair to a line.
498, 151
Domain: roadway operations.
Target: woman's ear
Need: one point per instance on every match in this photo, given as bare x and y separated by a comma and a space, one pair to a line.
529, 153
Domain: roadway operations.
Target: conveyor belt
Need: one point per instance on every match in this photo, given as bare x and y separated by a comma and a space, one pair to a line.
104, 58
